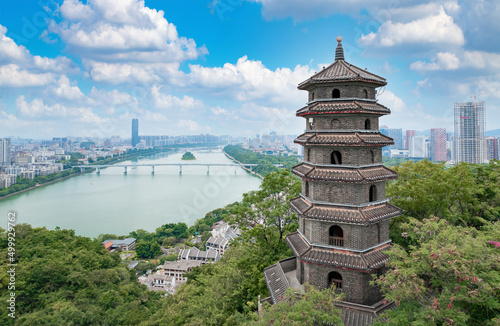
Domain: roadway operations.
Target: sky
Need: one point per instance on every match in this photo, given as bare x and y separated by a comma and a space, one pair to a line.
231, 67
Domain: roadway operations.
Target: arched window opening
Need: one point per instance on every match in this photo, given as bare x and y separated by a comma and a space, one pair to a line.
311, 123
336, 157
312, 96
309, 154
306, 186
335, 123
336, 93
365, 94
372, 155
378, 233
368, 124
335, 278
373, 193
336, 236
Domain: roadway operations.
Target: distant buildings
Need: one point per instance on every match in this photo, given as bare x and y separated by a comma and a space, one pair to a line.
418, 146
125, 244
135, 132
397, 135
492, 148
409, 134
469, 132
438, 151
5, 151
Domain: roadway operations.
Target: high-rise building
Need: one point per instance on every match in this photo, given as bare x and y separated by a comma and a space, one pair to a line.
396, 135
5, 158
343, 214
438, 152
135, 132
409, 134
469, 132
418, 146
492, 148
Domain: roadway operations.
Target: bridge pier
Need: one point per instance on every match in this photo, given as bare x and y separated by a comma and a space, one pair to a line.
180, 169
125, 171
152, 169
98, 170
208, 169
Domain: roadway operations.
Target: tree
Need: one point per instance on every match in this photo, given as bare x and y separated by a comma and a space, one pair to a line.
314, 307
146, 249
449, 275
265, 214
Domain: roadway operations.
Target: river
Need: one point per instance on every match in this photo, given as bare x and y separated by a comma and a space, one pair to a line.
117, 203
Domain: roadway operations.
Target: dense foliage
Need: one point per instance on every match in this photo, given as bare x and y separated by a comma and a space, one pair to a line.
188, 156
224, 293
265, 162
449, 275
63, 279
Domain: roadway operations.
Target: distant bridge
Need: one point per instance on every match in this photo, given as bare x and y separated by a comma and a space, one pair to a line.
152, 165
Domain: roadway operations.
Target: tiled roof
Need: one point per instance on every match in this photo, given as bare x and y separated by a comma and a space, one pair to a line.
336, 106
352, 215
342, 71
354, 317
276, 281
368, 261
332, 173
344, 139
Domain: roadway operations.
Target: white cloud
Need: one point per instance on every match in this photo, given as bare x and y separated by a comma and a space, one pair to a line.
250, 80
101, 97
436, 30
12, 75
9, 50
174, 103
190, 126
443, 61
109, 30
393, 102
65, 90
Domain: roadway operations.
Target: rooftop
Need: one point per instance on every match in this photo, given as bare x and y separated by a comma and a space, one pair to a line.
309, 171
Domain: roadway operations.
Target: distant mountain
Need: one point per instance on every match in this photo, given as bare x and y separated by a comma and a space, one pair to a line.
493, 133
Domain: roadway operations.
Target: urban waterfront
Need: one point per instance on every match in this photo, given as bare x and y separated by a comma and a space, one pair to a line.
114, 202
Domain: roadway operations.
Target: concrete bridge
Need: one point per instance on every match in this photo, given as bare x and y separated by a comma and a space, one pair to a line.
153, 165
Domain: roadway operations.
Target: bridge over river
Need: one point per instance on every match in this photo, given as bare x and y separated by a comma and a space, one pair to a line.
153, 165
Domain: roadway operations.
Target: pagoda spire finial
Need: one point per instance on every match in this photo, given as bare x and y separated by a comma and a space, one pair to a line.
339, 51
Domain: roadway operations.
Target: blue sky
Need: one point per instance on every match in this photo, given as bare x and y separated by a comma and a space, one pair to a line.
86, 68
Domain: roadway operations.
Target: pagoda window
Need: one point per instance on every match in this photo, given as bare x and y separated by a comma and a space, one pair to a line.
372, 193
336, 93
309, 154
335, 278
312, 96
365, 94
336, 236
306, 190
368, 124
336, 157
372, 155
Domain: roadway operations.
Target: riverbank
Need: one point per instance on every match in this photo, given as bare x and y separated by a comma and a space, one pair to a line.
244, 167
41, 185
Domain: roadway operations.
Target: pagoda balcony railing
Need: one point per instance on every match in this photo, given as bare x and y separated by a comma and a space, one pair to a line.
336, 241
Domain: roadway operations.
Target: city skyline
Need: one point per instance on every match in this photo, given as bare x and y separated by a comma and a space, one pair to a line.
87, 68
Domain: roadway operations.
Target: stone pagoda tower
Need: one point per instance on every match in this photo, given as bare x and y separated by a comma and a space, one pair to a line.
343, 213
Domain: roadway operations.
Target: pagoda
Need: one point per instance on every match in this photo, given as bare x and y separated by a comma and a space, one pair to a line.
343, 213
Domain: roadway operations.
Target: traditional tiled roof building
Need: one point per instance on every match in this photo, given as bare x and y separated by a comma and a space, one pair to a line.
343, 213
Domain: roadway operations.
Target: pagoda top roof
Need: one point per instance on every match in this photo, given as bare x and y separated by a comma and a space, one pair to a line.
342, 71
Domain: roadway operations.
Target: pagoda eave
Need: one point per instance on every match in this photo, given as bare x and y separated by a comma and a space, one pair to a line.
311, 172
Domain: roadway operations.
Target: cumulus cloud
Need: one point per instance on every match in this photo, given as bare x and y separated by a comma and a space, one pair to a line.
174, 103
109, 30
249, 80
437, 30
190, 126
443, 61
64, 89
12, 75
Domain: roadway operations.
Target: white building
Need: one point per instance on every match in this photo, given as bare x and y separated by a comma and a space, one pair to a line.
5, 151
418, 146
